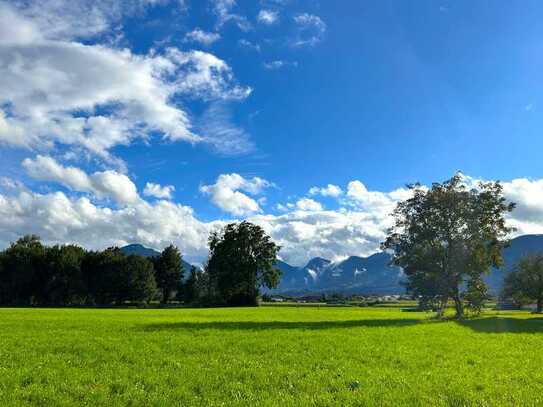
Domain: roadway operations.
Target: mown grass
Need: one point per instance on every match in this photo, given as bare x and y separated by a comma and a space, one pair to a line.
267, 356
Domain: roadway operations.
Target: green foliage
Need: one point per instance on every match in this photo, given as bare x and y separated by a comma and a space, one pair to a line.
525, 283
476, 295
34, 274
23, 273
190, 288
267, 356
65, 285
168, 271
447, 236
241, 260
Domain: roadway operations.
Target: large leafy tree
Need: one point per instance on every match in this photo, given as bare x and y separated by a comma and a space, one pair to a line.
65, 284
241, 260
449, 236
23, 272
525, 283
168, 271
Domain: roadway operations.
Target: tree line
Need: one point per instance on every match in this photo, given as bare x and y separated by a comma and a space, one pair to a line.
241, 261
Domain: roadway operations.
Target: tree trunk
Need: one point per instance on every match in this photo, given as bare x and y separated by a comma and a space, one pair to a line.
165, 295
458, 306
539, 305
442, 306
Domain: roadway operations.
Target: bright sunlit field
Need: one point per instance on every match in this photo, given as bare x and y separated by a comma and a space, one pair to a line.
287, 356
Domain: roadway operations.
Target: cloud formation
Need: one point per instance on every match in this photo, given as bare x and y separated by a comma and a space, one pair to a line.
158, 191
311, 30
101, 184
226, 193
304, 229
92, 97
267, 17
329, 190
202, 37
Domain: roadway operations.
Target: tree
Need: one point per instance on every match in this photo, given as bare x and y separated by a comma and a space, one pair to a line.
241, 260
525, 283
23, 276
137, 282
190, 287
102, 276
168, 271
447, 236
65, 284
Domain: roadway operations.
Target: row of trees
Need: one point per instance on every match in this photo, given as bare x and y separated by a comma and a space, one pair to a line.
34, 274
240, 262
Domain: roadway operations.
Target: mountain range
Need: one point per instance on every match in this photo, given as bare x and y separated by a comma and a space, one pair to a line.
364, 275
375, 275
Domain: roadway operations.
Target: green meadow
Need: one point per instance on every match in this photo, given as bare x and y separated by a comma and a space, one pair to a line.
267, 356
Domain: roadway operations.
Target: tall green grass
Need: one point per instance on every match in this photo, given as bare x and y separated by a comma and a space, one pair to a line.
268, 356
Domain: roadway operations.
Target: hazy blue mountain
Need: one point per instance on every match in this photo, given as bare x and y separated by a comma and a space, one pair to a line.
147, 252
371, 274
374, 274
519, 247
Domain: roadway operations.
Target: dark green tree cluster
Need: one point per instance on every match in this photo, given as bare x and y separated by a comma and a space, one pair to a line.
446, 238
34, 274
524, 285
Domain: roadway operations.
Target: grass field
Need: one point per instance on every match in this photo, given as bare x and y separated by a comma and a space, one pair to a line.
284, 356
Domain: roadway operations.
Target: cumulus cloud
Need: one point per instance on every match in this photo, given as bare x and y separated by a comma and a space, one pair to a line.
57, 218
225, 193
267, 17
158, 191
60, 92
308, 204
67, 19
202, 37
329, 234
329, 190
101, 184
311, 30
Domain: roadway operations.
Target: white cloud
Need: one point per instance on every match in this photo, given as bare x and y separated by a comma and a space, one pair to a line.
308, 204
329, 190
68, 19
311, 30
268, 17
278, 64
219, 131
223, 11
243, 43
158, 191
60, 219
57, 92
102, 184
225, 193
304, 229
202, 37
329, 234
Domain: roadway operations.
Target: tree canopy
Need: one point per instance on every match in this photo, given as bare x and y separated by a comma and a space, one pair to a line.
525, 283
241, 260
447, 237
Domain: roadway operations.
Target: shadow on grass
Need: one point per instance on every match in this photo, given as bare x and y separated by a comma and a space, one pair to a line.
268, 325
505, 324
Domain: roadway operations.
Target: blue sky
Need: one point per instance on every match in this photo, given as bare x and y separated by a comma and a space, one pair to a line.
237, 109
